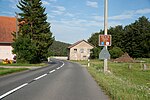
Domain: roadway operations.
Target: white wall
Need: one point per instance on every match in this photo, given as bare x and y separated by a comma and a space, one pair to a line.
6, 52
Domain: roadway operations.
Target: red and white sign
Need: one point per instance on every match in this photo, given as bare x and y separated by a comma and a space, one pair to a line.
104, 40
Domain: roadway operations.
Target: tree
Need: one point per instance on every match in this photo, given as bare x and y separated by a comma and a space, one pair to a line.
137, 38
34, 27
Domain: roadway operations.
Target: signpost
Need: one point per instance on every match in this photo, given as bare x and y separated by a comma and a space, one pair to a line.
105, 40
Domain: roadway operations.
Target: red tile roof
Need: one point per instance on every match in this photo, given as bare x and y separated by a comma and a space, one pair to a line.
78, 43
7, 26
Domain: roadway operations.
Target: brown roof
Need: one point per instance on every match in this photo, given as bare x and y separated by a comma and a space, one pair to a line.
7, 26
78, 43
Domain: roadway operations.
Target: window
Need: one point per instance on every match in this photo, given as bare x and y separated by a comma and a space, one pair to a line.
75, 50
81, 50
88, 50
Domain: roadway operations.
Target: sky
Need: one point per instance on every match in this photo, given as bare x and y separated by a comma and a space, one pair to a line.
74, 20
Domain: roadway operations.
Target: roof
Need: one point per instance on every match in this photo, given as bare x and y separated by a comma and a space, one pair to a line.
7, 26
79, 43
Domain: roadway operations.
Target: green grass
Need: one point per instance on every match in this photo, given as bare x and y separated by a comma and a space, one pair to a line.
122, 83
5, 71
18, 64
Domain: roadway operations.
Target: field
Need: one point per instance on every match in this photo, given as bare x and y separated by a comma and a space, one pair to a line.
125, 81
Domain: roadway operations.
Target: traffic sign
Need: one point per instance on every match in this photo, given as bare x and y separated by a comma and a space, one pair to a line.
104, 54
104, 40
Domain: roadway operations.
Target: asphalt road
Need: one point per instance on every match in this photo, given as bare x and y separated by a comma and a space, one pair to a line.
61, 80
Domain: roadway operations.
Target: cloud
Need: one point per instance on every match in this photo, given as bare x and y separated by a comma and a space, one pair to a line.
59, 10
143, 11
52, 0
45, 3
120, 17
92, 4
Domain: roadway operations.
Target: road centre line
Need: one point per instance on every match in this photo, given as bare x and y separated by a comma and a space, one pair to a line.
23, 85
52, 71
13, 90
40, 77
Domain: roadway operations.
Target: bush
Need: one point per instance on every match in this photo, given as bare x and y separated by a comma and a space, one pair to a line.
95, 53
116, 52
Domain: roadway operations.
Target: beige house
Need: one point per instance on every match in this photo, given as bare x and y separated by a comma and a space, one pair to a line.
80, 50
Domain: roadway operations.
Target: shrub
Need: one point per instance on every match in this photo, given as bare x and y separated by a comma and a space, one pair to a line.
116, 52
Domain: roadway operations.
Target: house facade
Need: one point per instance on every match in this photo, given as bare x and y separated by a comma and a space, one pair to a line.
7, 27
79, 50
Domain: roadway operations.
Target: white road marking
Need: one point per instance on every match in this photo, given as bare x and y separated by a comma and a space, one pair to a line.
13, 90
52, 71
21, 86
62, 64
58, 68
40, 76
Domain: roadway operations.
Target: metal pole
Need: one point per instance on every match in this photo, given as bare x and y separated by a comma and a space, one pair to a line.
105, 28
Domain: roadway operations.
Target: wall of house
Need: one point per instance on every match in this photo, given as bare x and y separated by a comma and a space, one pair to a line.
80, 51
6, 52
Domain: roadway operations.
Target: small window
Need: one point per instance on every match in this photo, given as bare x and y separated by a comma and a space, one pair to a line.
75, 50
88, 50
81, 50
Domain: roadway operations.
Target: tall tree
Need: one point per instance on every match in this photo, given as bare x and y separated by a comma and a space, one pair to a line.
34, 27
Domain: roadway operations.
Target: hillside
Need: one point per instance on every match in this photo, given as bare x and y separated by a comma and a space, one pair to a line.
58, 49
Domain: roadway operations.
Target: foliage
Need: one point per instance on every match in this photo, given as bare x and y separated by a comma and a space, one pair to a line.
116, 52
133, 39
58, 49
95, 53
33, 29
25, 50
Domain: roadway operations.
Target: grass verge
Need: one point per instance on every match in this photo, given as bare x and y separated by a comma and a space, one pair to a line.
122, 83
5, 71
18, 64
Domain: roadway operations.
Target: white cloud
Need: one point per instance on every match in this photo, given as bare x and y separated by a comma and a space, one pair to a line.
45, 3
57, 12
60, 8
92, 4
143, 11
52, 0
69, 14
121, 17
98, 18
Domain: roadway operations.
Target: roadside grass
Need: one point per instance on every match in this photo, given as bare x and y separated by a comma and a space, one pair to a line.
19, 64
5, 71
122, 83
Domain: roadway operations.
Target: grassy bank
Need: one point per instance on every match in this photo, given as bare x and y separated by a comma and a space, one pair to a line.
5, 71
18, 64
122, 83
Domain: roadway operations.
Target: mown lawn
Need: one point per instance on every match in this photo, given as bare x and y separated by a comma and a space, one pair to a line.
4, 71
122, 82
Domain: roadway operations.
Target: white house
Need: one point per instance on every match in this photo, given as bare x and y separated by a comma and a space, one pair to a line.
7, 26
80, 50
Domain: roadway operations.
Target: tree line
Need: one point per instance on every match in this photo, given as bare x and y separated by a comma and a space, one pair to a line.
133, 39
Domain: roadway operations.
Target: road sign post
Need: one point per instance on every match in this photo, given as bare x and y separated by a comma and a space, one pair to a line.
105, 40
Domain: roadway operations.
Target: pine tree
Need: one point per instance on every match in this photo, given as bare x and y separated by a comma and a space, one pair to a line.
34, 27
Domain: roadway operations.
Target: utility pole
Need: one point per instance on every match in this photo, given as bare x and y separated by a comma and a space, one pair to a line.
105, 28
17, 25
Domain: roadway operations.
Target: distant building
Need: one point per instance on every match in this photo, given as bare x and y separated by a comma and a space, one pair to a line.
80, 50
7, 27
